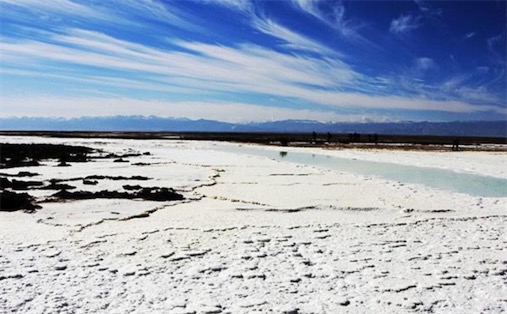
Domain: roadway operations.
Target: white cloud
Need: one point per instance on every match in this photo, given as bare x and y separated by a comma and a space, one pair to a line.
293, 40
216, 68
61, 6
69, 107
405, 24
482, 69
157, 10
310, 7
428, 10
496, 46
242, 5
106, 82
355, 100
107, 11
421, 4
469, 35
333, 17
474, 88
480, 94
425, 63
454, 82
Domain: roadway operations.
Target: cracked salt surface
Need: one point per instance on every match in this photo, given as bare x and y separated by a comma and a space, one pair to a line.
307, 240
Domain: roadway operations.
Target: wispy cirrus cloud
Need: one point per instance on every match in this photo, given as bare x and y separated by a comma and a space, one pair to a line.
216, 68
475, 86
309, 6
234, 112
427, 8
291, 39
156, 10
497, 48
284, 68
469, 35
425, 63
105, 12
479, 94
333, 16
211, 67
242, 5
405, 24
61, 6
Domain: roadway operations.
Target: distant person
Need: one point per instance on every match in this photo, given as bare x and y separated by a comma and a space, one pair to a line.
375, 138
455, 145
357, 137
314, 135
329, 136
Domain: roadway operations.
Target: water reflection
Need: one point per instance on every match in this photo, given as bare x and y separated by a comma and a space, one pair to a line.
472, 184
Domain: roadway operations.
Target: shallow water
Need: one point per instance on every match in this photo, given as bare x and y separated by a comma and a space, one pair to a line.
472, 184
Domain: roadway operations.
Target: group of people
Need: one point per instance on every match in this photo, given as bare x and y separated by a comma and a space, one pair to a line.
353, 137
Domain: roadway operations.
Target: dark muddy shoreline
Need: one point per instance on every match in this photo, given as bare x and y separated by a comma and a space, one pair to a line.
327, 140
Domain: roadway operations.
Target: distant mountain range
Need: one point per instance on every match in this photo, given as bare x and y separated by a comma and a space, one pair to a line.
153, 123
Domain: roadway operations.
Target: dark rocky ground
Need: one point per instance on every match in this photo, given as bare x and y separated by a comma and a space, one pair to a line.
34, 155
23, 155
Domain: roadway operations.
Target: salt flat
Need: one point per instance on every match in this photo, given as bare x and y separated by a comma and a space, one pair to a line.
257, 235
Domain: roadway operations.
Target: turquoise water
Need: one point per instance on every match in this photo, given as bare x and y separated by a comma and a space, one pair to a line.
472, 184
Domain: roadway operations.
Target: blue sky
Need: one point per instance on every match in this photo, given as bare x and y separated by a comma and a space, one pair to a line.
248, 60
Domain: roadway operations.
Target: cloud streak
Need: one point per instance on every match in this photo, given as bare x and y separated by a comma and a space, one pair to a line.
281, 66
292, 39
225, 111
60, 6
105, 12
405, 24
334, 17
217, 68
242, 5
